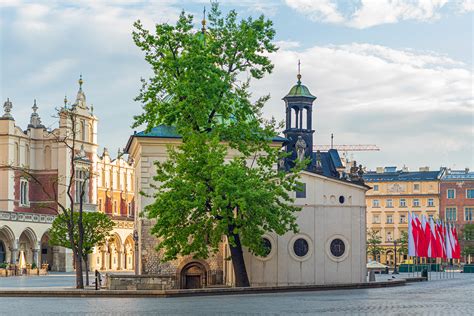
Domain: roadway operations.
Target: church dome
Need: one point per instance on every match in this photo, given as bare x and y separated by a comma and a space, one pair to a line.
300, 90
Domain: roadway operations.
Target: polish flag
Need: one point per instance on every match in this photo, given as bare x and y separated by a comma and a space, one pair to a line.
424, 241
433, 247
457, 247
416, 228
440, 240
411, 236
449, 246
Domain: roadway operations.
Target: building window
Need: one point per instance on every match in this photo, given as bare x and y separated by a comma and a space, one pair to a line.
403, 203
430, 202
376, 187
267, 246
416, 187
83, 130
468, 213
300, 247
403, 219
416, 202
375, 203
100, 205
451, 214
115, 207
376, 219
129, 209
389, 237
470, 193
301, 191
451, 193
389, 219
337, 247
431, 217
389, 203
24, 201
81, 186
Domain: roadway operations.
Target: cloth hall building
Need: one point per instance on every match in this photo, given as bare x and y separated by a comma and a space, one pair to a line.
27, 207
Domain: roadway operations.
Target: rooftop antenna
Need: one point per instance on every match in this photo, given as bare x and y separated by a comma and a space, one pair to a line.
299, 72
332, 141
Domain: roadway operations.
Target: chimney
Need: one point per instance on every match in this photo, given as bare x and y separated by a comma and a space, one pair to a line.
379, 169
424, 169
405, 168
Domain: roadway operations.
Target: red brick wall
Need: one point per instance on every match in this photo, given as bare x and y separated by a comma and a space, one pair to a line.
460, 201
40, 201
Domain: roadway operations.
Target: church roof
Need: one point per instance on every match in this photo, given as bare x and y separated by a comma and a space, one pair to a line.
373, 176
165, 131
300, 90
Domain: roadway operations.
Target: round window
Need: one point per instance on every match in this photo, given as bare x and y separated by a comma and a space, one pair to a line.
267, 245
341, 199
337, 247
301, 247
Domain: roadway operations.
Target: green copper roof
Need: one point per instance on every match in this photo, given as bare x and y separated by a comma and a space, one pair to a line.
300, 90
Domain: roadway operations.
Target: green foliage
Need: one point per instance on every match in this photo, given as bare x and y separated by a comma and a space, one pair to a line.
97, 227
3, 265
402, 243
468, 232
373, 243
33, 266
200, 86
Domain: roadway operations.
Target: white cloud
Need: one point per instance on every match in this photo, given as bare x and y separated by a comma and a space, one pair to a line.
367, 13
417, 106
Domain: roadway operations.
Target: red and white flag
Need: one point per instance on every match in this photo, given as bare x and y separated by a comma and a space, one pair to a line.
411, 236
449, 245
457, 247
424, 238
440, 240
433, 246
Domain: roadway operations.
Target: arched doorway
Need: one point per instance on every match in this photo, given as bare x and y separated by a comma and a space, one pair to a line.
6, 238
28, 252
193, 276
3, 252
128, 254
389, 258
46, 251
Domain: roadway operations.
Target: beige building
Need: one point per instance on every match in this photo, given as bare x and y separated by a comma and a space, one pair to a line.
26, 206
330, 247
394, 193
116, 198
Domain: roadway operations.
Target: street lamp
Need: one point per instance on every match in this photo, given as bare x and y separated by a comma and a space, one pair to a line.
395, 271
135, 239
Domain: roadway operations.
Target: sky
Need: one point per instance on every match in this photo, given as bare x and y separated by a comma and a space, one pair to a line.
394, 73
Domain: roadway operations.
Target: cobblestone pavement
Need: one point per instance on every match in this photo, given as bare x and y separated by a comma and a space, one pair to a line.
436, 297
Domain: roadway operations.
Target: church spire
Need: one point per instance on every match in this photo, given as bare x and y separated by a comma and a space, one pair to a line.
203, 22
81, 97
35, 120
299, 72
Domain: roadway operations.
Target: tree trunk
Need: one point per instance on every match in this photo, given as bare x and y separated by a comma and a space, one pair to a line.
79, 277
86, 261
241, 277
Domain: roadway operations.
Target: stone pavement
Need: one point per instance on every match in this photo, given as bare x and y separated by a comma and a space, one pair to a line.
436, 297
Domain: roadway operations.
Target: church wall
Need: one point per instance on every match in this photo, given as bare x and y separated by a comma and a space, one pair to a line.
321, 220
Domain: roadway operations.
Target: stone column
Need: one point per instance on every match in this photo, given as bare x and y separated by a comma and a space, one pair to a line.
35, 257
14, 252
102, 259
55, 264
122, 258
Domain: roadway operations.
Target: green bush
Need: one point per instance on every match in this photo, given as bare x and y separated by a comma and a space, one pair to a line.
3, 265
33, 266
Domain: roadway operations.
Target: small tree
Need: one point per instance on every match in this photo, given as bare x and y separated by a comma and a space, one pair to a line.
468, 241
402, 243
97, 227
373, 243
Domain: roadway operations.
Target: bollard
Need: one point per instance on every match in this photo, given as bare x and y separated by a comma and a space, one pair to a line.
371, 276
98, 280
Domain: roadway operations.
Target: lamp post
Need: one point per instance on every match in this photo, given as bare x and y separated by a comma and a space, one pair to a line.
135, 239
395, 271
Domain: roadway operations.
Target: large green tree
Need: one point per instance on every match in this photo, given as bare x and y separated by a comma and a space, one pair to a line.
402, 243
200, 86
96, 228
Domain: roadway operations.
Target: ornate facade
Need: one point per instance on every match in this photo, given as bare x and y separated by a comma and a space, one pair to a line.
35, 166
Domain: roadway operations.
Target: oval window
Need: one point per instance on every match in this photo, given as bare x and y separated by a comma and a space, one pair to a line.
341, 199
337, 247
301, 247
267, 245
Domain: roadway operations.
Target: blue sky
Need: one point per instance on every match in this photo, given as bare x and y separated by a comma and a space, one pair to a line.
393, 73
